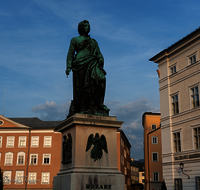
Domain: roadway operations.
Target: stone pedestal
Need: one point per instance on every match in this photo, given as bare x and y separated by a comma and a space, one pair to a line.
85, 172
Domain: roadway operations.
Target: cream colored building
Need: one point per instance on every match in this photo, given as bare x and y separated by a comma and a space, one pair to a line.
142, 177
179, 69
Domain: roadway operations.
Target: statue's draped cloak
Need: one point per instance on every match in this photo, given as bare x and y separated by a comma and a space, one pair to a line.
88, 74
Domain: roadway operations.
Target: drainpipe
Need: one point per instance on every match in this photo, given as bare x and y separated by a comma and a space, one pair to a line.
26, 179
148, 151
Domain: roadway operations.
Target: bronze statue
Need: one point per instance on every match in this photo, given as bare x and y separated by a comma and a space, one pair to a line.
67, 149
99, 144
84, 58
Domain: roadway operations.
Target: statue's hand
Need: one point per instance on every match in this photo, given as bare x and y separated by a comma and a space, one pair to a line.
68, 71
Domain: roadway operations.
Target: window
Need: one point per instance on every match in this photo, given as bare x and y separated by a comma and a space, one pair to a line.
1, 122
124, 153
192, 59
175, 108
125, 170
143, 180
155, 176
132, 177
197, 182
197, 138
7, 177
122, 160
195, 97
178, 184
173, 69
10, 141
8, 158
177, 142
20, 158
143, 174
47, 141
154, 140
153, 126
46, 158
19, 177
45, 178
154, 156
122, 143
22, 141
34, 141
33, 159
1, 138
32, 178
128, 151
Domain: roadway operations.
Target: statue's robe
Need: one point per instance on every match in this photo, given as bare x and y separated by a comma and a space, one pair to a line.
88, 75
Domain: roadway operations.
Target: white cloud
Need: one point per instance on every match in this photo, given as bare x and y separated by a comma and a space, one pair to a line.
51, 111
132, 111
133, 137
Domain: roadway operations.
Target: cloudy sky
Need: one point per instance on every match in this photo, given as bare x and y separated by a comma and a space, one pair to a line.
34, 40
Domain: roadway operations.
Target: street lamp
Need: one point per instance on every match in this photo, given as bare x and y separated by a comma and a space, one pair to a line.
182, 166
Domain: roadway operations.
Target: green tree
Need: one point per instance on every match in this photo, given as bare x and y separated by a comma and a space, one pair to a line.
1, 179
163, 186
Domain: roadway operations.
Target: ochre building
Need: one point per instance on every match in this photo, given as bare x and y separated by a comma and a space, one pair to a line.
152, 151
30, 153
123, 157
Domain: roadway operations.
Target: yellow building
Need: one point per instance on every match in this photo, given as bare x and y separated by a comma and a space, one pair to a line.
152, 151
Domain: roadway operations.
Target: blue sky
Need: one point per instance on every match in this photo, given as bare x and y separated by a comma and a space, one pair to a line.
34, 40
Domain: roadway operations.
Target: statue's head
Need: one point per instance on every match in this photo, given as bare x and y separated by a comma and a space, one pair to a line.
64, 137
84, 27
97, 135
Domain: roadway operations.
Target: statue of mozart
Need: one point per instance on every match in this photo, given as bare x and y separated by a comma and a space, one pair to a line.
84, 58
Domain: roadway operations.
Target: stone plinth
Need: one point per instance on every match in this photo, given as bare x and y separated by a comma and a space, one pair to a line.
84, 172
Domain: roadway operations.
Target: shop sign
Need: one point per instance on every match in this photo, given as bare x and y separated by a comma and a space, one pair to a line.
189, 156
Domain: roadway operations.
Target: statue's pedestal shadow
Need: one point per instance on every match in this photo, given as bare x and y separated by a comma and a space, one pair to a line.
94, 157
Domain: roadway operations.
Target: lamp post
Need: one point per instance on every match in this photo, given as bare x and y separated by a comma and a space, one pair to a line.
182, 166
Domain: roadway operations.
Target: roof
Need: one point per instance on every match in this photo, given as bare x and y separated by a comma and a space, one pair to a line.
124, 136
148, 113
36, 123
173, 47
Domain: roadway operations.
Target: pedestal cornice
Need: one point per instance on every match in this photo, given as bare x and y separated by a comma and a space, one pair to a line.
83, 119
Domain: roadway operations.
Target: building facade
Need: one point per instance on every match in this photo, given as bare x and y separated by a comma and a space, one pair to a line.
179, 68
123, 157
134, 172
141, 172
30, 153
152, 151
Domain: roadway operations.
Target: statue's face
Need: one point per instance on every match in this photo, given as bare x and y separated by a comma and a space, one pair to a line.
86, 28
